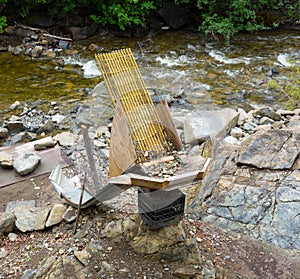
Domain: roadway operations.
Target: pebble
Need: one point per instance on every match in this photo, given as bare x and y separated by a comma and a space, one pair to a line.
12, 236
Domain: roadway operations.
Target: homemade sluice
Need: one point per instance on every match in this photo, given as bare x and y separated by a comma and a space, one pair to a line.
148, 132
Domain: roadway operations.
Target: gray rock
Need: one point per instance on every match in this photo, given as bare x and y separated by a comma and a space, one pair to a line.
44, 143
6, 160
7, 222
294, 124
204, 125
11, 206
3, 254
37, 51
274, 149
47, 127
237, 132
19, 137
66, 139
26, 163
70, 215
267, 112
3, 133
242, 116
29, 274
15, 127
30, 218
12, 237
56, 215
261, 203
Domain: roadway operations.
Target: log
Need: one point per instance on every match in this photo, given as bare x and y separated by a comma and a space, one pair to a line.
43, 32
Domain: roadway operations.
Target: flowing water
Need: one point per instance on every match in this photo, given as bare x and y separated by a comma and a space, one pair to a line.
184, 67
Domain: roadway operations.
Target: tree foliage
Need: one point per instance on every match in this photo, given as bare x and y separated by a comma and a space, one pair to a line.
215, 17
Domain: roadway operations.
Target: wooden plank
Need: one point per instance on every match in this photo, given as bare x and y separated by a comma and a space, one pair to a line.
148, 182
123, 179
122, 152
167, 123
188, 178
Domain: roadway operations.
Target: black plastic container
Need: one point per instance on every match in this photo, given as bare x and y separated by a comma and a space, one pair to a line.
160, 208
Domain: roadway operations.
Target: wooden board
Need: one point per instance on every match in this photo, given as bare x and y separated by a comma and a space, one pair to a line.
167, 123
122, 152
49, 158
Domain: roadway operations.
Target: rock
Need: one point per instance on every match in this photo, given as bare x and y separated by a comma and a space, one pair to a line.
22, 136
173, 15
7, 222
108, 267
6, 160
150, 242
242, 116
204, 125
3, 133
44, 143
93, 47
257, 202
30, 218
101, 131
37, 51
58, 118
237, 132
274, 149
15, 126
12, 237
267, 112
294, 124
15, 204
66, 139
184, 273
26, 163
3, 254
70, 215
47, 127
56, 215
178, 122
29, 274
83, 256
114, 230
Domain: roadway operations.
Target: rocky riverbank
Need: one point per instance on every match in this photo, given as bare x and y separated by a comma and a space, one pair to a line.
251, 189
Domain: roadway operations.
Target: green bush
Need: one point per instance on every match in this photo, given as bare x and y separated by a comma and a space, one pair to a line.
2, 23
123, 13
216, 17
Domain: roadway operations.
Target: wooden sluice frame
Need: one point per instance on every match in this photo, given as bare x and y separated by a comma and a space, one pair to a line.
125, 84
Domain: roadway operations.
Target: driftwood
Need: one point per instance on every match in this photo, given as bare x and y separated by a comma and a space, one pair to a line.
43, 32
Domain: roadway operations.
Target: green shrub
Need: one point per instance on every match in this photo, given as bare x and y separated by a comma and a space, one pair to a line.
123, 13
216, 17
2, 23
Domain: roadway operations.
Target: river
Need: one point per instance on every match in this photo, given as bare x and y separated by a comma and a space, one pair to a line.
184, 67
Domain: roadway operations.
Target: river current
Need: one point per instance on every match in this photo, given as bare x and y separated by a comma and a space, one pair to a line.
183, 67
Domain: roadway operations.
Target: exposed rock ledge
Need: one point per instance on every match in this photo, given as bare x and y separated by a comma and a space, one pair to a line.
253, 187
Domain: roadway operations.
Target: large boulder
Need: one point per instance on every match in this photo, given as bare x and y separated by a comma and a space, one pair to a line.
204, 125
274, 149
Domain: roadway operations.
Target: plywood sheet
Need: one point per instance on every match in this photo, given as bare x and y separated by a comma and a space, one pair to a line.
49, 158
